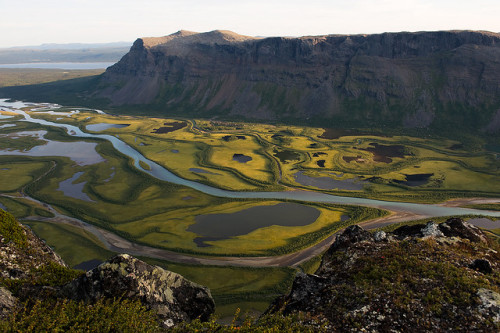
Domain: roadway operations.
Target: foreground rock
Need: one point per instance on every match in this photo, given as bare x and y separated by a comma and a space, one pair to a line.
174, 298
417, 278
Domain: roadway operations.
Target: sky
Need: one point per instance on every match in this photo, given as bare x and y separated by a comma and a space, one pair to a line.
34, 22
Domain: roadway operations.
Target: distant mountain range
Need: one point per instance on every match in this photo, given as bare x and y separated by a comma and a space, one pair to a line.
75, 52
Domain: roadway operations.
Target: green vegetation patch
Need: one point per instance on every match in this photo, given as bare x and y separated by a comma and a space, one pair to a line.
120, 315
73, 244
11, 230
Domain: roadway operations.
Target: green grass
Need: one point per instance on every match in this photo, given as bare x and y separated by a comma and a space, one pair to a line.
485, 206
73, 244
11, 231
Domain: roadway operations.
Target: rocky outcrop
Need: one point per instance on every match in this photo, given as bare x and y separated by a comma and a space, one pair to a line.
407, 79
425, 277
23, 253
7, 302
174, 298
27, 265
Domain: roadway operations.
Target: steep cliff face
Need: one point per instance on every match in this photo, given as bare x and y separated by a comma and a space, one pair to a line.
409, 79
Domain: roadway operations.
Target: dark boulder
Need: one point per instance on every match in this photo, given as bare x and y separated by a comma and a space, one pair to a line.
352, 234
481, 265
174, 298
456, 227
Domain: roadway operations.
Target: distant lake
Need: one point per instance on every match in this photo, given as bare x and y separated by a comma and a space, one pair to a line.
60, 65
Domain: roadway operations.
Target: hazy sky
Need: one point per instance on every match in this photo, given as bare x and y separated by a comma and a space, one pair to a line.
33, 22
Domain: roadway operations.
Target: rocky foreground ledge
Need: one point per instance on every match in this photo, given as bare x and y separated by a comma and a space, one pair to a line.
30, 271
424, 277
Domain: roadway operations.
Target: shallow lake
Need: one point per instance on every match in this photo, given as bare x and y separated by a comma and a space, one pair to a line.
83, 153
104, 126
224, 226
74, 190
327, 183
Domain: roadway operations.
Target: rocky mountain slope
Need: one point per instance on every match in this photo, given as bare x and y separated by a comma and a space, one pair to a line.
426, 79
431, 278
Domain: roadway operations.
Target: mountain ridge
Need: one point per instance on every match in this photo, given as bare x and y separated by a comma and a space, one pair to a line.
407, 79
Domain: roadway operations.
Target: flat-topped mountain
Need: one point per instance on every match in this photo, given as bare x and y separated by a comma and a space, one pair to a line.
422, 79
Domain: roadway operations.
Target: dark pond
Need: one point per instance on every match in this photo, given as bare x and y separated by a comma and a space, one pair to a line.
327, 183
224, 226
228, 138
88, 265
321, 163
287, 155
383, 153
2, 206
170, 127
241, 158
175, 151
104, 126
319, 153
197, 170
415, 180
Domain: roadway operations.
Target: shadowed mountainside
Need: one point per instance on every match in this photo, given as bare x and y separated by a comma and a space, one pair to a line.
409, 79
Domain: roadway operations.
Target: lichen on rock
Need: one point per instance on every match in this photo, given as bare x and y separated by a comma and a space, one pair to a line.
174, 298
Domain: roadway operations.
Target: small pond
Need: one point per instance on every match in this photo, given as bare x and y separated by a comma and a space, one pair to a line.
241, 158
104, 126
175, 151
223, 226
170, 127
198, 170
4, 116
74, 190
416, 179
327, 183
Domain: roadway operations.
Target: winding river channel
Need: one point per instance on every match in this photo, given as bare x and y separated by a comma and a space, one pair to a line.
156, 170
